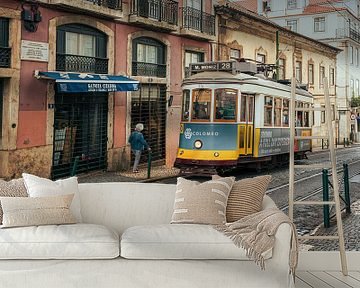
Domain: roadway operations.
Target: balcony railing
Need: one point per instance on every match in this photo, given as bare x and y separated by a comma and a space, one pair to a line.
161, 10
348, 33
198, 20
148, 69
112, 4
83, 64
5, 57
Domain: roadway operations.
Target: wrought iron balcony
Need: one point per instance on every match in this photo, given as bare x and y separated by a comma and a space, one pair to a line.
112, 4
198, 20
348, 33
5, 57
148, 69
83, 64
161, 10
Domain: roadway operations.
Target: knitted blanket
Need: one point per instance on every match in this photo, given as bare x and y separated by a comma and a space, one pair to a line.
256, 234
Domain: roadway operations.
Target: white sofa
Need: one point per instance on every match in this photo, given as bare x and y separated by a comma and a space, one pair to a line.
119, 206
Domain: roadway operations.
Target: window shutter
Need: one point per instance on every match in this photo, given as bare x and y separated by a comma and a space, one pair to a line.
60, 41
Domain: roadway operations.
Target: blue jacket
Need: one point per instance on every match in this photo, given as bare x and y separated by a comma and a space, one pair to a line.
137, 141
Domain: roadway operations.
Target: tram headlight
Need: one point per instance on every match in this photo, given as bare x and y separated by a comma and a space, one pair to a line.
198, 144
181, 152
216, 154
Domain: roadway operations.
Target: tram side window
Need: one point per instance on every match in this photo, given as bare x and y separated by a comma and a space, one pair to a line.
268, 107
299, 121
306, 116
201, 99
277, 112
243, 109
186, 105
285, 121
225, 104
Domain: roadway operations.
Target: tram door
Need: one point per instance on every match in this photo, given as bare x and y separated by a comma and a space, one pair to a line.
246, 127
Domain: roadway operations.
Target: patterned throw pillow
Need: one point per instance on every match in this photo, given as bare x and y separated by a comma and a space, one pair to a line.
13, 188
201, 203
30, 211
246, 197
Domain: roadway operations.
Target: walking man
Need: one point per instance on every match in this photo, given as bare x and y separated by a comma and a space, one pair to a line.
138, 144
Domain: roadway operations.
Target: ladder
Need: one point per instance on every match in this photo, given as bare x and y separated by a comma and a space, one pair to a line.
292, 167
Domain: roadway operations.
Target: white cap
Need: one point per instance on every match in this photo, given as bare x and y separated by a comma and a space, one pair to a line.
139, 127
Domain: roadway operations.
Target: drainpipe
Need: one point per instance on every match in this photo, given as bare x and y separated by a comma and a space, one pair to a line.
277, 54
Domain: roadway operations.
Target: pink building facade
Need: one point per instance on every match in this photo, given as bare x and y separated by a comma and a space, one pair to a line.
55, 134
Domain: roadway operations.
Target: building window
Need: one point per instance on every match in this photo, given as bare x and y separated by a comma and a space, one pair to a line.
235, 54
5, 50
225, 104
285, 115
332, 76
281, 68
323, 114
1, 104
319, 24
322, 75
261, 58
292, 25
186, 105
356, 56
356, 88
81, 48
148, 58
201, 105
291, 4
311, 74
192, 57
266, 6
298, 71
268, 108
351, 54
352, 93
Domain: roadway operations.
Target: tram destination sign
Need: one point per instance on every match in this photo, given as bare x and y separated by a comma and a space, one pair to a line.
212, 66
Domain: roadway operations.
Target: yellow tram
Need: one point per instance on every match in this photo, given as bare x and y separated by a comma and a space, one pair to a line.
231, 118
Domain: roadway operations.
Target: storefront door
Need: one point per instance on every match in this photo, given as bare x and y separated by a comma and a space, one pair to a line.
148, 106
80, 133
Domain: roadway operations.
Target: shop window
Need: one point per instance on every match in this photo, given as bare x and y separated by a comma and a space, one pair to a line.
186, 105
277, 112
225, 104
268, 111
285, 113
201, 105
148, 58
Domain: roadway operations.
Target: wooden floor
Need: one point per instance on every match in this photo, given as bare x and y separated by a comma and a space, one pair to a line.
323, 270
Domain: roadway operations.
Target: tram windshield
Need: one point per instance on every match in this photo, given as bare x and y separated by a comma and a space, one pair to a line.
225, 104
201, 104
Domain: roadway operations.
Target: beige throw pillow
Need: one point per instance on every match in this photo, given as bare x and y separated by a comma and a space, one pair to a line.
201, 203
27, 211
13, 188
246, 197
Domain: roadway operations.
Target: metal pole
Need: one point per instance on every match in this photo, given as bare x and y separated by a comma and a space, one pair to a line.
74, 167
347, 188
149, 165
325, 182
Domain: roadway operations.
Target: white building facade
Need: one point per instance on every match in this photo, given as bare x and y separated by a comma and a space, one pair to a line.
332, 22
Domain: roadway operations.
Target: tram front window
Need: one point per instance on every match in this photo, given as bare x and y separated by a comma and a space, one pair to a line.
201, 105
225, 104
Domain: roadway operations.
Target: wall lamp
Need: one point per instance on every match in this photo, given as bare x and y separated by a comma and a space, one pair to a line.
31, 16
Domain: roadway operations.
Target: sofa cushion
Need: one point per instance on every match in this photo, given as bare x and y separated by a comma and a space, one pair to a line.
246, 197
73, 241
13, 188
181, 241
28, 211
201, 203
42, 187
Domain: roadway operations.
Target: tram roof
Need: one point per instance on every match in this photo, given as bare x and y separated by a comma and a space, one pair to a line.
220, 77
